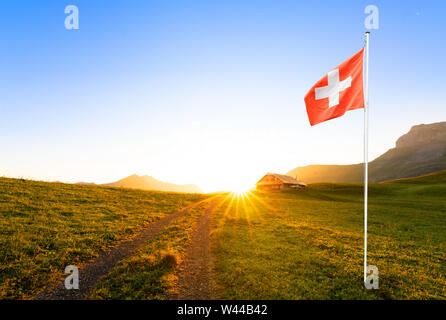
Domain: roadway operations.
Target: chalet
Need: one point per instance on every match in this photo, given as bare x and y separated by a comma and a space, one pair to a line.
274, 181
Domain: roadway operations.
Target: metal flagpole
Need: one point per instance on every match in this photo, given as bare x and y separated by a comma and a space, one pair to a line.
366, 147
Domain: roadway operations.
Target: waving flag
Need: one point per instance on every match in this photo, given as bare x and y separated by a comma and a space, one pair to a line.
342, 89
337, 92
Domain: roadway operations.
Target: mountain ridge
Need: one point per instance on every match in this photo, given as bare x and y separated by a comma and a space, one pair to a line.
146, 182
420, 151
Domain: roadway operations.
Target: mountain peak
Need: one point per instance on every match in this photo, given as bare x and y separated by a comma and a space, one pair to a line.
433, 133
420, 151
146, 182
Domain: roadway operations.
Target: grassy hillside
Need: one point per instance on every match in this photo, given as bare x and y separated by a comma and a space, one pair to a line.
301, 244
431, 178
308, 244
47, 226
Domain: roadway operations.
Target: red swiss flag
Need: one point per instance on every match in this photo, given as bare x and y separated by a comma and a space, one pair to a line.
342, 89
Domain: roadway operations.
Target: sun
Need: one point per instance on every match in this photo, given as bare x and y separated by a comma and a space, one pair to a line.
240, 193
241, 189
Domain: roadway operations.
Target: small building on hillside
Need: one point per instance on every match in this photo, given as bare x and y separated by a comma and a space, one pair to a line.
274, 181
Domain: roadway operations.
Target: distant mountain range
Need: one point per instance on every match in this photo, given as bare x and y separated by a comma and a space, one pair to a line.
421, 151
149, 183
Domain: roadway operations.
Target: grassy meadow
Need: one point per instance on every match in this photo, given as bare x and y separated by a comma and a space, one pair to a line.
299, 244
47, 226
308, 244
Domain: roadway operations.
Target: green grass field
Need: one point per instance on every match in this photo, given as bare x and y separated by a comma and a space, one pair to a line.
47, 226
308, 244
301, 244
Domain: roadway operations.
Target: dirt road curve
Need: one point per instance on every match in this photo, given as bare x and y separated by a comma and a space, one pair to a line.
91, 274
195, 280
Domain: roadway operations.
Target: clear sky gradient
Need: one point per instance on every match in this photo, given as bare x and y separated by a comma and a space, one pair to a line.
205, 92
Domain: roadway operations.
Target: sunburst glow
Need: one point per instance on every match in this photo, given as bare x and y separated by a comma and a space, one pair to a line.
241, 189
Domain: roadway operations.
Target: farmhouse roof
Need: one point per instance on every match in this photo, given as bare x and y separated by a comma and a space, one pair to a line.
284, 179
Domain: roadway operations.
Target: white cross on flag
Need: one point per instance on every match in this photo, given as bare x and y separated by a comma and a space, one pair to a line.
337, 92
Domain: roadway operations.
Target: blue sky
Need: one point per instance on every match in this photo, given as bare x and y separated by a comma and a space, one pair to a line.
205, 92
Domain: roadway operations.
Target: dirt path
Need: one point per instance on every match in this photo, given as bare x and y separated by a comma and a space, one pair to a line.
92, 273
195, 280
